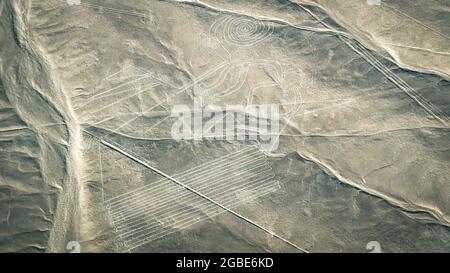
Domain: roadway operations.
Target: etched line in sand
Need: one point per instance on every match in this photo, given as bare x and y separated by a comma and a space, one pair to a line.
428, 106
225, 207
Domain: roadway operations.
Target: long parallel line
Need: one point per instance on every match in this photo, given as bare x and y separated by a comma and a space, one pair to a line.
121, 212
120, 218
190, 214
119, 11
197, 204
164, 231
119, 92
203, 181
180, 225
394, 77
94, 96
160, 186
200, 175
208, 211
119, 215
180, 90
402, 85
382, 68
139, 91
190, 171
118, 101
236, 214
118, 72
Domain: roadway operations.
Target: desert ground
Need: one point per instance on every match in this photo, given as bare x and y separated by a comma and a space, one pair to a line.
354, 157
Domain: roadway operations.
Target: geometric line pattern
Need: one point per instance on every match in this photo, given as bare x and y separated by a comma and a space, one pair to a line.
156, 210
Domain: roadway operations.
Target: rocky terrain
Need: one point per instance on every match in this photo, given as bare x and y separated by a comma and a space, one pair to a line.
88, 156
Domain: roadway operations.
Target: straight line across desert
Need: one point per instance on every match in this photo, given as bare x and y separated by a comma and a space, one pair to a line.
224, 126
